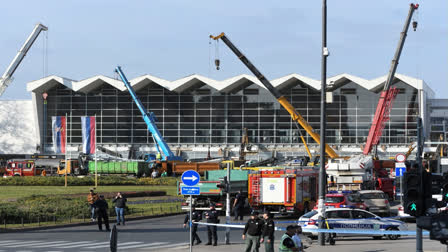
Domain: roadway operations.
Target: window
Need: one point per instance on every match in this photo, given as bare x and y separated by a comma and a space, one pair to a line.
334, 199
362, 215
344, 214
346, 91
373, 196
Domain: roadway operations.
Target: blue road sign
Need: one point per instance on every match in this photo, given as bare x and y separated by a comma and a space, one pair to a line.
190, 178
399, 171
190, 190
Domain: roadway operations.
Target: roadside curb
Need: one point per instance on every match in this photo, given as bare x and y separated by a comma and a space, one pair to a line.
2, 230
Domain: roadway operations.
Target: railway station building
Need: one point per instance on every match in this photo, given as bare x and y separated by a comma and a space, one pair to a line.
197, 115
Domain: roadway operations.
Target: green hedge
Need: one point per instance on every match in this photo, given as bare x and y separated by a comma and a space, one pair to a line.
84, 181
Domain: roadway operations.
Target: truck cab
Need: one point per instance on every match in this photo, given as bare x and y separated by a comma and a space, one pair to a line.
72, 167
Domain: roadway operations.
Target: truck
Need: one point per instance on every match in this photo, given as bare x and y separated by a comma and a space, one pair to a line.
284, 191
358, 173
24, 168
210, 192
130, 167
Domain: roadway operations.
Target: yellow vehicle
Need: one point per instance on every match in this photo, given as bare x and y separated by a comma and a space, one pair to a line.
72, 167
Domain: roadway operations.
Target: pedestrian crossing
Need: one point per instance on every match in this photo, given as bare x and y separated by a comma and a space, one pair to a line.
59, 246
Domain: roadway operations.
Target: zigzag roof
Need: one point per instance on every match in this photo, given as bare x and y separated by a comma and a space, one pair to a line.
226, 85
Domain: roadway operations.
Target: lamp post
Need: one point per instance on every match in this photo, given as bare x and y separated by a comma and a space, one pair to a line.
44, 96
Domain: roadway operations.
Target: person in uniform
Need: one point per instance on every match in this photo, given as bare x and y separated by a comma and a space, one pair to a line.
238, 206
196, 217
212, 217
253, 230
102, 206
287, 244
268, 232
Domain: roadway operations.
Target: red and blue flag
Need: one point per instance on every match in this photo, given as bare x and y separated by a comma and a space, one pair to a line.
59, 126
88, 134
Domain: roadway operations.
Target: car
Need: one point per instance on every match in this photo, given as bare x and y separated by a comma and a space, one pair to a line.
341, 200
376, 201
349, 218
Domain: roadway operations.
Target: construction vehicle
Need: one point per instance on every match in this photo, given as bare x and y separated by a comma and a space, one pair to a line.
7, 75
73, 168
349, 165
388, 94
168, 162
296, 117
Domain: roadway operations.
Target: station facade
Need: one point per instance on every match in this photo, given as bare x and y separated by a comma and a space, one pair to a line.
197, 114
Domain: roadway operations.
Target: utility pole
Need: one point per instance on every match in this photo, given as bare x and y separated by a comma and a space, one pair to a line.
420, 141
228, 205
322, 173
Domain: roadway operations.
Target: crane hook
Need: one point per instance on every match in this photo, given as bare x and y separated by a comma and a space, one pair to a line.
217, 62
414, 25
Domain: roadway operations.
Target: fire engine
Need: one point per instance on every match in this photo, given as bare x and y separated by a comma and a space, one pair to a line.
24, 168
283, 191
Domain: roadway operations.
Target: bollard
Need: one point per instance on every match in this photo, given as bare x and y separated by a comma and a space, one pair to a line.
38, 220
113, 239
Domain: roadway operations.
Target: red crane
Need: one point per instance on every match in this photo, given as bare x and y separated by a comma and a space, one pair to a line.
388, 94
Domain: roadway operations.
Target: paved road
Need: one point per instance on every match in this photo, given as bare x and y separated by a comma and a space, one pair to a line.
167, 234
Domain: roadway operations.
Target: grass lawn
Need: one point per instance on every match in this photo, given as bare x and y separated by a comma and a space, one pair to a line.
14, 192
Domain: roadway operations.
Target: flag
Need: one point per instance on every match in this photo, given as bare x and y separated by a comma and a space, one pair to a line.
88, 134
59, 127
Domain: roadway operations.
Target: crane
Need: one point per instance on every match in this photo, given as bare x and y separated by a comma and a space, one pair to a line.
7, 75
150, 120
296, 117
388, 94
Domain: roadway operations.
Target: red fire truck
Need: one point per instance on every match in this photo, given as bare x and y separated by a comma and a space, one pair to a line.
284, 191
23, 168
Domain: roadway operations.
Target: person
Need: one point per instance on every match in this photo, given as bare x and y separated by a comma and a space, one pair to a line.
212, 217
238, 206
158, 156
92, 198
154, 173
102, 206
296, 237
196, 216
253, 231
287, 243
120, 204
268, 232
164, 174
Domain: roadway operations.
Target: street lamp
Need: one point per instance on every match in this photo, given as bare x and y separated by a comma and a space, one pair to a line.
44, 96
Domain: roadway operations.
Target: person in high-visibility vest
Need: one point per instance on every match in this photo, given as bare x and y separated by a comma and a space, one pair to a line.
287, 244
159, 156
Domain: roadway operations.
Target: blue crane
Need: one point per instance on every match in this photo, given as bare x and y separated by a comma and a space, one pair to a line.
150, 120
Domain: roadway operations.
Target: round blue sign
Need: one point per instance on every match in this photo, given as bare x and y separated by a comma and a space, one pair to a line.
190, 178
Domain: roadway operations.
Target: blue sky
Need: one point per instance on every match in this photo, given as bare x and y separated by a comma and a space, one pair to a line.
169, 39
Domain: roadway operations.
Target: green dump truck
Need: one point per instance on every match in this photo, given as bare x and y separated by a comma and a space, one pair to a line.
211, 193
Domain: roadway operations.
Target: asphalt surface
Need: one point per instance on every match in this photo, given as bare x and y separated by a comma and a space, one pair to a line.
167, 234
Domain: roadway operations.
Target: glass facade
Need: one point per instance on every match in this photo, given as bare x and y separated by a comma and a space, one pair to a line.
204, 116
439, 120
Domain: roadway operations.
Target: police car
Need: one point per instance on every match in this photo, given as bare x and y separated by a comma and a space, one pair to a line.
351, 219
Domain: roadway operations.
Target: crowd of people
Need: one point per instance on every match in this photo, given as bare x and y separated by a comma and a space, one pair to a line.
99, 209
257, 231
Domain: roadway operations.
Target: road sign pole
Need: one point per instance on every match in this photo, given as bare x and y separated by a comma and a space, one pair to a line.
401, 190
420, 140
191, 224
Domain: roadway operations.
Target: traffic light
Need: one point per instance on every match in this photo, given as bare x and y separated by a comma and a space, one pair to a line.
413, 194
445, 188
223, 184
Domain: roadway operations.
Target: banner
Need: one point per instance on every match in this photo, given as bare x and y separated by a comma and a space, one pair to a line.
59, 129
88, 125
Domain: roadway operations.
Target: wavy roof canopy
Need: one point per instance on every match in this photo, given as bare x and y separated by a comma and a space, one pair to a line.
226, 85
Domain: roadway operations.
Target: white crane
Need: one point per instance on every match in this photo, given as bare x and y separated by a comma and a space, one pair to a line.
6, 77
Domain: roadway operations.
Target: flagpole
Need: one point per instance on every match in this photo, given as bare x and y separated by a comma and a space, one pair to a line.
66, 165
96, 170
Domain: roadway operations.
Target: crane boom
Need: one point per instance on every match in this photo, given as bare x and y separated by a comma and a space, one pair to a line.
6, 77
388, 94
150, 120
296, 117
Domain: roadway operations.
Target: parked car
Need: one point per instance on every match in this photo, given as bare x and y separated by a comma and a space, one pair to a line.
341, 200
376, 201
348, 218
